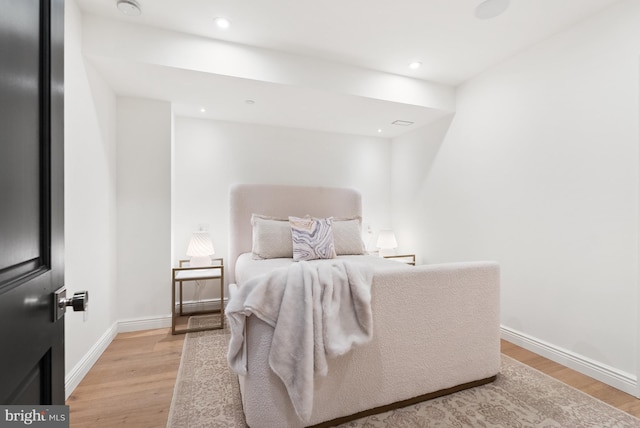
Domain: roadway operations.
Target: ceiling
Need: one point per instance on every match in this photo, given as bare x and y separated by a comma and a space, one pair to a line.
318, 64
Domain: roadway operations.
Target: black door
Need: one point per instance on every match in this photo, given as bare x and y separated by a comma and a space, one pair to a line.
31, 201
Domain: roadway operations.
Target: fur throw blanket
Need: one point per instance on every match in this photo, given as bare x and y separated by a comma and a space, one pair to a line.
317, 310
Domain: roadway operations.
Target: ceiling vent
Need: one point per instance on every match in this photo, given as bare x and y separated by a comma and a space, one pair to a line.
402, 123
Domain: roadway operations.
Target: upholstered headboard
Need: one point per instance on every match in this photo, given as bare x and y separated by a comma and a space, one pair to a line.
282, 201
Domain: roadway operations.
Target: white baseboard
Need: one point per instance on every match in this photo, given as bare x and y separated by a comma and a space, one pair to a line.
137, 324
616, 378
80, 370
164, 321
73, 378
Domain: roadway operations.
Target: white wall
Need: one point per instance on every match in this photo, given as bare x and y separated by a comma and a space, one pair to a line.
90, 196
413, 156
117, 208
143, 210
212, 155
539, 170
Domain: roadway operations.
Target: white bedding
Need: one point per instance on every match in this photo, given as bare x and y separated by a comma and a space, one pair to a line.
246, 267
317, 310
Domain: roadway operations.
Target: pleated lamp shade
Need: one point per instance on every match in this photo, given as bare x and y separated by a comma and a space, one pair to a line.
200, 249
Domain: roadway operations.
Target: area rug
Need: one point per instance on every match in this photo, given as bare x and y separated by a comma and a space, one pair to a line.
207, 395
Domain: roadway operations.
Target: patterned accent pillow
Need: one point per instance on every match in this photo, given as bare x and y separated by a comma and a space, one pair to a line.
271, 237
347, 236
312, 238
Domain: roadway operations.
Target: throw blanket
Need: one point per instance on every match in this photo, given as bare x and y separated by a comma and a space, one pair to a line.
316, 309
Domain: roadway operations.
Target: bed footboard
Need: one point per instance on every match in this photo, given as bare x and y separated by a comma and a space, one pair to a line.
436, 330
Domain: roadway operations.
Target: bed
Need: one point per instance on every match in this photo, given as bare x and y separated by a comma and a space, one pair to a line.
435, 327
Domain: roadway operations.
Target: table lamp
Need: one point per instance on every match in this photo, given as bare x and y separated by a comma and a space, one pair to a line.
200, 249
386, 242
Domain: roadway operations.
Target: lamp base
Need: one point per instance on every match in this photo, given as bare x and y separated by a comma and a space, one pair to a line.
387, 252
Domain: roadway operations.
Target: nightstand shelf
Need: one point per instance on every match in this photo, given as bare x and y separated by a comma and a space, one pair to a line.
183, 274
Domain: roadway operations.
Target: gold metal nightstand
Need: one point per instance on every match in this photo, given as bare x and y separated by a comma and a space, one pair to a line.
182, 274
409, 259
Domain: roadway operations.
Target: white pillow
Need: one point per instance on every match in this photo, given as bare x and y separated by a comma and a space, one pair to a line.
271, 237
347, 236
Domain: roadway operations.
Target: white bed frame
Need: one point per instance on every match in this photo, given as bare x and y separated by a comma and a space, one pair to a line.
436, 327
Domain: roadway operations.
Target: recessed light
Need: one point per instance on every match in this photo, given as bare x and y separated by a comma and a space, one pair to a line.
129, 7
491, 8
250, 102
203, 110
379, 130
221, 22
415, 65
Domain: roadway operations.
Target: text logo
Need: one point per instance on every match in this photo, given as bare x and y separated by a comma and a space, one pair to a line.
34, 416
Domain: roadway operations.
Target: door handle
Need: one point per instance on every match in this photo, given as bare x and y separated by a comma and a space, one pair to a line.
79, 302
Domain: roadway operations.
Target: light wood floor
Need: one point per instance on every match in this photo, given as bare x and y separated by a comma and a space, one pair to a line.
599, 390
132, 383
